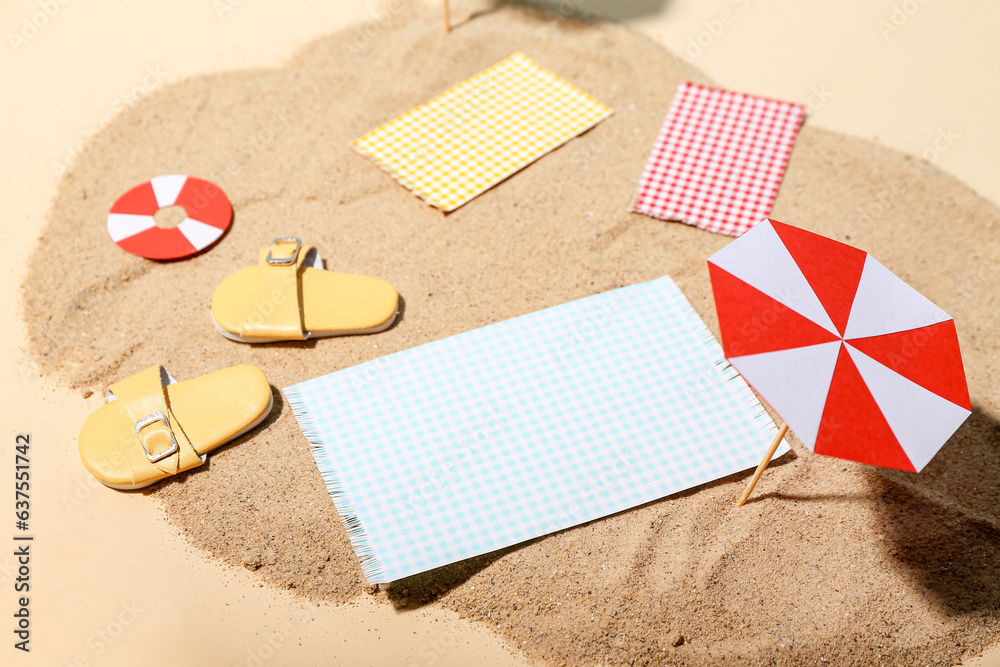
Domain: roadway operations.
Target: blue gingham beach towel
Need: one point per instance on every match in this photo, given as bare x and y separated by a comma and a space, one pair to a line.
525, 427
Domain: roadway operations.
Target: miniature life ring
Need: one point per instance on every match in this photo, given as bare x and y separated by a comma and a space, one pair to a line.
132, 227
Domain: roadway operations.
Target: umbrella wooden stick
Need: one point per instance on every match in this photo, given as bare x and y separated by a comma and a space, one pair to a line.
763, 464
447, 17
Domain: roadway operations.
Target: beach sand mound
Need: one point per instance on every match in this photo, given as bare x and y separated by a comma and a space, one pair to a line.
830, 563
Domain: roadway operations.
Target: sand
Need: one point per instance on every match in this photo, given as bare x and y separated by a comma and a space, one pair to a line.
831, 561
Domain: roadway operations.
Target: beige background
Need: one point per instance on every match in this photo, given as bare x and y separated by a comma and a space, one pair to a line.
111, 580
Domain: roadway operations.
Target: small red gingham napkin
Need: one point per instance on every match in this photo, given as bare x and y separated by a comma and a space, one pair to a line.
719, 159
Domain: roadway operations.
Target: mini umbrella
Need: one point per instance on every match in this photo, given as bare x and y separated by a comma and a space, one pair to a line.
856, 361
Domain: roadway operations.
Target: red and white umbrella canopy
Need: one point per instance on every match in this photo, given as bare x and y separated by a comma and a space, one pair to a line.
857, 362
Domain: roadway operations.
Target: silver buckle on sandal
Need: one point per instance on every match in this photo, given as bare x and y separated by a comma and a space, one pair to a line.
284, 261
146, 421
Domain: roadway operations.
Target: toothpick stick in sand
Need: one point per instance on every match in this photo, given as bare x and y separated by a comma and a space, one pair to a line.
447, 17
763, 464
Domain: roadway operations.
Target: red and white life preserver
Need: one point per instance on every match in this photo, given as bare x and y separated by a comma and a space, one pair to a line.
132, 227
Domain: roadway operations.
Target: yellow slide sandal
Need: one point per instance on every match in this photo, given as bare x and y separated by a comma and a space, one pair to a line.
288, 296
153, 426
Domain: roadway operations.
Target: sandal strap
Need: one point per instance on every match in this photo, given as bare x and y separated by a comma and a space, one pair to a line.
276, 310
162, 442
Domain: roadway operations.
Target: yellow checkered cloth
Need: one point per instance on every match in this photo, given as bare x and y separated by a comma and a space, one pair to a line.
478, 133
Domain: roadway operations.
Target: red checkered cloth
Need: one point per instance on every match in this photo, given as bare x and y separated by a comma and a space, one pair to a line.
719, 159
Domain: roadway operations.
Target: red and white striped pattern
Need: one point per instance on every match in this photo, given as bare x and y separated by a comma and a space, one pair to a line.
132, 226
857, 362
719, 159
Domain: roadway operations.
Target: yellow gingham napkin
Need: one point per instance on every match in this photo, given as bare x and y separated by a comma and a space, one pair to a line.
481, 131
